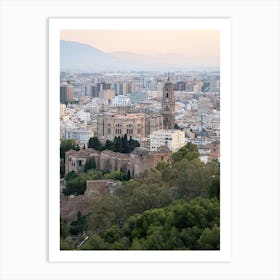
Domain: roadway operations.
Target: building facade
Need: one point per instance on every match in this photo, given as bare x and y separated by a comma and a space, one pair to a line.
137, 162
214, 150
120, 100
172, 139
80, 135
142, 160
137, 126
66, 93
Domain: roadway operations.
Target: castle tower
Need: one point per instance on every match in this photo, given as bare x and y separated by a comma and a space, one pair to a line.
168, 105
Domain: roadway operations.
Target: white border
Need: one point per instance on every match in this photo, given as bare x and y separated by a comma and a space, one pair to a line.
221, 24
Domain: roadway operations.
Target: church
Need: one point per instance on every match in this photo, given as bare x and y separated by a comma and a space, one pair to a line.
139, 125
168, 105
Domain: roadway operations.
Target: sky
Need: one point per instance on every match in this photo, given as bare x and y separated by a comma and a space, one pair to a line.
199, 45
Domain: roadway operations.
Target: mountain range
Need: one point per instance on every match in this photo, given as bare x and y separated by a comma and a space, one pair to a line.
78, 57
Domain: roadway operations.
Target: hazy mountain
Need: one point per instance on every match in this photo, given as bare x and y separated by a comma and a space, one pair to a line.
80, 57
84, 58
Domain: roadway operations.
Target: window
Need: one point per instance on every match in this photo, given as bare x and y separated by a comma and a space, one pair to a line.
167, 95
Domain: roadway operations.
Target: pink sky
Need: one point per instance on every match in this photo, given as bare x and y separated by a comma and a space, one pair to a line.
199, 44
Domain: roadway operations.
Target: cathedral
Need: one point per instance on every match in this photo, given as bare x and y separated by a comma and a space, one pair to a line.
139, 125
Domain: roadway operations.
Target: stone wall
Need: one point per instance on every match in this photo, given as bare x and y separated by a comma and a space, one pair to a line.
97, 188
138, 162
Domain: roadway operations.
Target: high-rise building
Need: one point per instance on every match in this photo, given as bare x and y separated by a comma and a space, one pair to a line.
168, 105
107, 94
180, 86
66, 93
100, 87
120, 88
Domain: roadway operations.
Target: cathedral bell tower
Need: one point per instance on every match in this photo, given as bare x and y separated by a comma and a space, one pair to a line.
168, 105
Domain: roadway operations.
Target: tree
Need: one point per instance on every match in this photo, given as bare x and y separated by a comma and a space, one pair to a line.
112, 234
95, 242
109, 145
214, 187
125, 145
67, 145
189, 151
94, 143
190, 236
162, 165
62, 168
70, 176
119, 144
189, 178
64, 228
182, 225
78, 226
132, 144
106, 212
75, 186
66, 244
210, 238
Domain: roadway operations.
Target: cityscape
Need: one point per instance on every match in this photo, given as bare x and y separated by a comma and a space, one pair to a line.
139, 153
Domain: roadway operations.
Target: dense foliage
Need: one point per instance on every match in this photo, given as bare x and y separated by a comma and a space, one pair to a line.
189, 151
192, 225
67, 145
120, 144
175, 206
76, 183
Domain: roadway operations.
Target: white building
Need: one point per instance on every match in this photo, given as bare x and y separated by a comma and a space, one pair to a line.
83, 116
172, 139
120, 100
93, 106
81, 135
